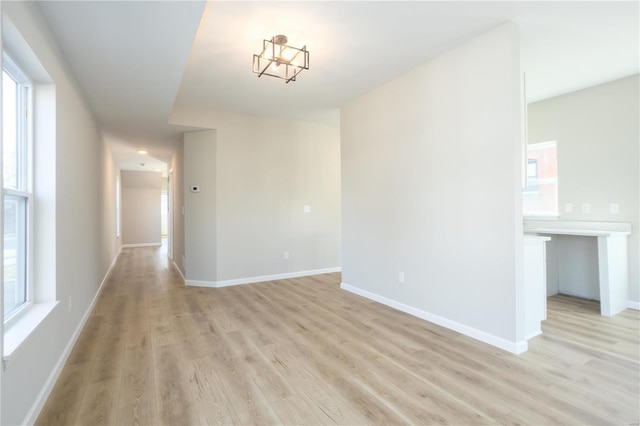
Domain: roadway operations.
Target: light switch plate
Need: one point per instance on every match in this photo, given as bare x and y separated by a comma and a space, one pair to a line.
614, 208
307, 209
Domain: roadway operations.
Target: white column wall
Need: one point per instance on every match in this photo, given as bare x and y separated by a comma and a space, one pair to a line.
431, 165
200, 207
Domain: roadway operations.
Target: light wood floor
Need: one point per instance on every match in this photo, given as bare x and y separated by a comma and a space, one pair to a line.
302, 351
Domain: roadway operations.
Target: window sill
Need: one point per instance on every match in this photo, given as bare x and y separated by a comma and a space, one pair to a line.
17, 332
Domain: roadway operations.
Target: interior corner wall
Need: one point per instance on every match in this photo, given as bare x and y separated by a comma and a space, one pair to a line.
200, 206
141, 207
80, 264
431, 189
266, 171
597, 132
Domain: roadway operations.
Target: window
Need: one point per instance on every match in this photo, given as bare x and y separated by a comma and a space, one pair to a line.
17, 196
540, 197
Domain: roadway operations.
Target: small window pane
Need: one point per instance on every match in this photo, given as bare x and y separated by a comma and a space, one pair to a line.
15, 148
10, 100
15, 253
540, 197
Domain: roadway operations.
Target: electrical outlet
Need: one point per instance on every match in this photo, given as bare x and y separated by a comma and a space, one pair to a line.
614, 208
568, 208
286, 255
586, 208
401, 277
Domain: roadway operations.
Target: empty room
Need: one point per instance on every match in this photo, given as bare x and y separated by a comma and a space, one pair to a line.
320, 212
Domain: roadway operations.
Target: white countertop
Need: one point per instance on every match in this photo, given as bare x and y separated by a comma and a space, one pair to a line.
534, 237
582, 232
574, 227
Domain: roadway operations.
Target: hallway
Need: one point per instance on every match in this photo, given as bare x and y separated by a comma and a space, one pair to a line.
301, 351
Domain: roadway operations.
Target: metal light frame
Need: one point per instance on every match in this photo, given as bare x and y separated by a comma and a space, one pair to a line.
279, 60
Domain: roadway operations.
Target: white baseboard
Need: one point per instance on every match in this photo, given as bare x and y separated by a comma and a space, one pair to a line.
175, 265
34, 411
198, 283
251, 280
531, 336
513, 347
142, 245
634, 305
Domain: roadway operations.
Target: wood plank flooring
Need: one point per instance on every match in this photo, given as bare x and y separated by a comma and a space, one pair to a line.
302, 351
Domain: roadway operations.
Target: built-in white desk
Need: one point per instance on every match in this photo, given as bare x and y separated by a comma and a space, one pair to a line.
535, 288
613, 257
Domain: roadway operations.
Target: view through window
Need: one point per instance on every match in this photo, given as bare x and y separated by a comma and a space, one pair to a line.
540, 197
16, 191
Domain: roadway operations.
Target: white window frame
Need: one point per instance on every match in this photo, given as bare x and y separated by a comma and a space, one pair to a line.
24, 173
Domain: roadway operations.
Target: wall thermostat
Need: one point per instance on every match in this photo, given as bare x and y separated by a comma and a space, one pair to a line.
195, 188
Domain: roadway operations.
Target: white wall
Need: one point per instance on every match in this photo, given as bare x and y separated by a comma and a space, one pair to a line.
109, 173
200, 207
431, 187
44, 189
141, 207
177, 203
82, 254
597, 132
266, 171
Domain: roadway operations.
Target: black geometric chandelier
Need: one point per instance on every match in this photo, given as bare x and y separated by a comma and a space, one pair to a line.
279, 60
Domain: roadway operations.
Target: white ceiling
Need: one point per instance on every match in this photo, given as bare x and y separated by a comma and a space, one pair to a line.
128, 58
136, 60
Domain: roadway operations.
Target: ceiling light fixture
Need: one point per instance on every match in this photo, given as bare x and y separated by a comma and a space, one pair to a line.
279, 60
142, 151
